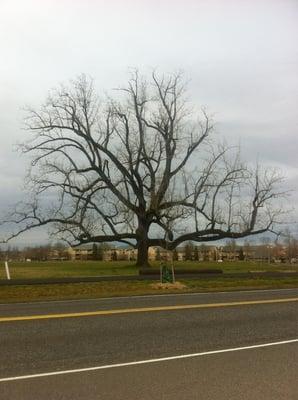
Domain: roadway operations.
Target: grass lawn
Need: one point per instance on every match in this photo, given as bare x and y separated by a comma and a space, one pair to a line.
55, 269
236, 266
59, 269
128, 288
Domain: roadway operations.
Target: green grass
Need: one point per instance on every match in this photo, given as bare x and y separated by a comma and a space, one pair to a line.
126, 288
56, 269
59, 269
236, 266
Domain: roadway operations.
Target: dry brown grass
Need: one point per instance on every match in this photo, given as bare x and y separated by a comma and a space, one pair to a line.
168, 286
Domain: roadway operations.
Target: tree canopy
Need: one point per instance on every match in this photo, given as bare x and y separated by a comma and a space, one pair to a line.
141, 168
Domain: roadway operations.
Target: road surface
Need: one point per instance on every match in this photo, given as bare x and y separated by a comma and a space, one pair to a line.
240, 345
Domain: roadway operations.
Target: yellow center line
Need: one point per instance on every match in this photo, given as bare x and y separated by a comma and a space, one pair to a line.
145, 309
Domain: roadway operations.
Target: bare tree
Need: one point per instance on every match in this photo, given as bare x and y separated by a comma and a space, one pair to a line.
127, 169
291, 244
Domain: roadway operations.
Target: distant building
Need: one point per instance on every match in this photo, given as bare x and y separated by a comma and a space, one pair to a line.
195, 253
83, 252
90, 251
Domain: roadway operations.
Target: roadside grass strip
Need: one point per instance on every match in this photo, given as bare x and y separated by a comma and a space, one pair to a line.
144, 309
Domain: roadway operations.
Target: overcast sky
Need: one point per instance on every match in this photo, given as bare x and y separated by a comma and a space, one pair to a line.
240, 57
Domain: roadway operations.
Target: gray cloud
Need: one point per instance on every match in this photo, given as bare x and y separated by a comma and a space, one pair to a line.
240, 57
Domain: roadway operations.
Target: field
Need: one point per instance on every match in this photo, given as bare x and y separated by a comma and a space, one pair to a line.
55, 269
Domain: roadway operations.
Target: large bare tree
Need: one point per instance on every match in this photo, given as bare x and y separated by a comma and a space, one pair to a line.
142, 168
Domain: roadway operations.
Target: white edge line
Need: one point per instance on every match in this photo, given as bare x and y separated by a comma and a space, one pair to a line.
148, 296
150, 361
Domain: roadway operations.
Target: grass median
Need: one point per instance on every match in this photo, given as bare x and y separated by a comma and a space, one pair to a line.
26, 293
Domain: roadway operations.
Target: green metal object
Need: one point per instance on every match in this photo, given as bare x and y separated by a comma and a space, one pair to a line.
166, 274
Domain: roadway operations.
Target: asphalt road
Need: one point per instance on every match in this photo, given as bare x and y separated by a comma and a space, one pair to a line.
221, 321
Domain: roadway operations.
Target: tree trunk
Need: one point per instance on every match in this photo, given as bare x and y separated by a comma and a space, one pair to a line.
142, 245
142, 258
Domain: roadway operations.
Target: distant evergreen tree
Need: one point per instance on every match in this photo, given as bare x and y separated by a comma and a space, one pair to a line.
196, 254
94, 251
175, 255
215, 255
114, 255
188, 250
205, 252
241, 254
97, 252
